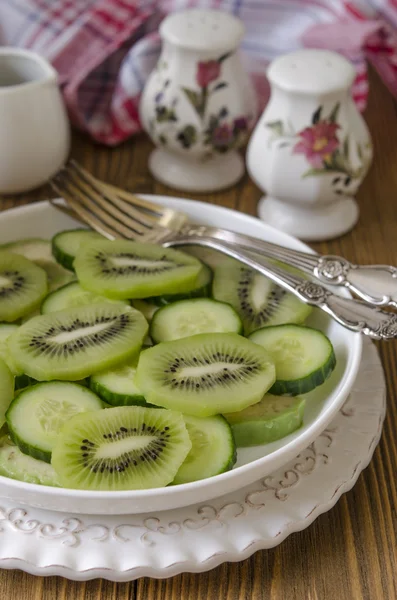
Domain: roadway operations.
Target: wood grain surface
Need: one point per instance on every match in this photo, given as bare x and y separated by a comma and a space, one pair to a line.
351, 551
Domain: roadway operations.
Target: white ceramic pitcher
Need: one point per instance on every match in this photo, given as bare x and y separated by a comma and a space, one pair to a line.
34, 129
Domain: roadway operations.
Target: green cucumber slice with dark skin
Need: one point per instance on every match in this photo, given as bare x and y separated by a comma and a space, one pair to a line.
146, 308
203, 290
117, 387
17, 465
271, 419
66, 244
191, 317
71, 295
37, 414
213, 449
304, 357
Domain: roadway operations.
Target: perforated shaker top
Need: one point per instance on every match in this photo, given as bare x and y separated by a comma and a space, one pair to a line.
311, 72
200, 29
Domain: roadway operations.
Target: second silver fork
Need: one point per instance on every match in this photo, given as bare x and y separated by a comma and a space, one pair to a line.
375, 284
116, 218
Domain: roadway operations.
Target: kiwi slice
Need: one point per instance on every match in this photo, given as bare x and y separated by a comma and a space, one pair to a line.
66, 244
271, 419
77, 342
258, 300
205, 374
39, 251
6, 390
23, 285
123, 448
124, 269
21, 380
71, 295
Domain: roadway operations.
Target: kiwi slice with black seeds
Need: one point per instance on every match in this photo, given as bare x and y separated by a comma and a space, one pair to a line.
123, 448
127, 270
258, 300
20, 379
77, 342
205, 374
39, 251
23, 285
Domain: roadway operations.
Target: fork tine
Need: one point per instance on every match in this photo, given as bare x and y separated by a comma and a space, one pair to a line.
65, 209
156, 214
123, 194
79, 198
83, 213
121, 209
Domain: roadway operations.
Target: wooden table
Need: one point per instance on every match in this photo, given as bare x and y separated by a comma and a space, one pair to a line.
351, 551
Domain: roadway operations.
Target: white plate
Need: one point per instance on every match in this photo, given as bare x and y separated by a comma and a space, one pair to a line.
42, 220
198, 538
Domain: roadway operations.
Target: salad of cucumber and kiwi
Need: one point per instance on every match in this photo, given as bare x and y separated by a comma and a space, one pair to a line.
128, 366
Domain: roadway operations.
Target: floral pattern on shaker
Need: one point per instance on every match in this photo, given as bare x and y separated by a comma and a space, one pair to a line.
220, 132
323, 149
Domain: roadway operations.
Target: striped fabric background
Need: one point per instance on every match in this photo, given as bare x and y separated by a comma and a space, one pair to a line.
105, 49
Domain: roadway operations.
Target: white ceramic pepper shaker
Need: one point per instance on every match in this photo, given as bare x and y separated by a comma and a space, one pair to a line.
198, 105
311, 148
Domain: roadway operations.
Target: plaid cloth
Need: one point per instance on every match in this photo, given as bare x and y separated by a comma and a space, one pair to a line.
104, 50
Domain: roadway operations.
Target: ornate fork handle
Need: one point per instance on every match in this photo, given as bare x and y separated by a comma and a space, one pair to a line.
375, 284
353, 314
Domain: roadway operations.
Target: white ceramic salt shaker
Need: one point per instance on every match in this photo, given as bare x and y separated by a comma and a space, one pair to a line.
198, 105
311, 148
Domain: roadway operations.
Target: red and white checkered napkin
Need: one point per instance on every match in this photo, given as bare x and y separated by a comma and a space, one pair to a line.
105, 49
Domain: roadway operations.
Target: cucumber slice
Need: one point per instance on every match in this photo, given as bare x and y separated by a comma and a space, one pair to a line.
146, 308
31, 248
304, 357
39, 251
38, 413
190, 317
17, 465
66, 244
71, 295
6, 390
202, 290
117, 387
271, 419
258, 301
213, 449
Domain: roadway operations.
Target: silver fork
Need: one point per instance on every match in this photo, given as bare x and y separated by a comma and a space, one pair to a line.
375, 284
117, 218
